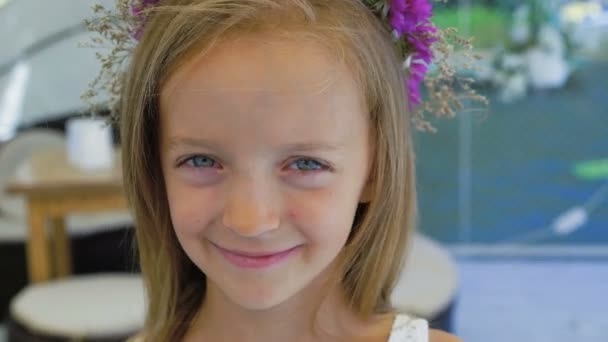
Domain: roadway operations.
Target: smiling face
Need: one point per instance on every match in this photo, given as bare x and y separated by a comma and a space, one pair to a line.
265, 154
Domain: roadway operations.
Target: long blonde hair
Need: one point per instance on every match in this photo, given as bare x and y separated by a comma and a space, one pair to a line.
178, 29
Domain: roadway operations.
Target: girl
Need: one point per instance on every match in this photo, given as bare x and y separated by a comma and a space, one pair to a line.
268, 158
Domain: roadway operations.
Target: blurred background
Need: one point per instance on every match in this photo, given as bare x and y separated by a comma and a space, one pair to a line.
513, 196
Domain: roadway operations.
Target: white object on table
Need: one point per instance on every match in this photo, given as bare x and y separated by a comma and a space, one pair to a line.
89, 143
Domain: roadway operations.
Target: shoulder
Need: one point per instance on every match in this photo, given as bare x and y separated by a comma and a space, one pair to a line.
440, 336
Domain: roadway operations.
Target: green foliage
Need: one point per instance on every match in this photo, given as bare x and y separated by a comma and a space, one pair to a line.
488, 26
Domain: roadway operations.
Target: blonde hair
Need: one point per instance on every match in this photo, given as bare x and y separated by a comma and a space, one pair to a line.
178, 29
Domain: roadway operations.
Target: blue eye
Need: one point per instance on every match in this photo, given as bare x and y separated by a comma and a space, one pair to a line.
200, 162
307, 165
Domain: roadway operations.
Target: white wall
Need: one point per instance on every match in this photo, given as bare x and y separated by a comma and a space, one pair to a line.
59, 74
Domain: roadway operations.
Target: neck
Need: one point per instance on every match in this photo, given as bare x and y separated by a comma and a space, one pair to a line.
315, 313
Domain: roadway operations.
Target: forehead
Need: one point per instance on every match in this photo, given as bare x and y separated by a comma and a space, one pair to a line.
272, 62
261, 79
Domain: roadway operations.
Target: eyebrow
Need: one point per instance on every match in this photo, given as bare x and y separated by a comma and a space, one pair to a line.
313, 146
177, 142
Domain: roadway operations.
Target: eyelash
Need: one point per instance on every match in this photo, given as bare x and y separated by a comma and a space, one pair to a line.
320, 165
190, 160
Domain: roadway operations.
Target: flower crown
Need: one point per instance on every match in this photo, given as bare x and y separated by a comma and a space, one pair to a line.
420, 43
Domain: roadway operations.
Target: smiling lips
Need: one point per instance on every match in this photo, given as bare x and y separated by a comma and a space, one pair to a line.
256, 259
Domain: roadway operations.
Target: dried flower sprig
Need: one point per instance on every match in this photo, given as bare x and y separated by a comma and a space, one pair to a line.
449, 88
115, 31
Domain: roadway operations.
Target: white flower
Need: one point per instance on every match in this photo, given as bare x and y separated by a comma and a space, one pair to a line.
547, 70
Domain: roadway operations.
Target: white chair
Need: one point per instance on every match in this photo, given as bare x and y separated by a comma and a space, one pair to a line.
428, 285
102, 307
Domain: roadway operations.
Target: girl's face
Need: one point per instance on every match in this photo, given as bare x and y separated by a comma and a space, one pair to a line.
265, 155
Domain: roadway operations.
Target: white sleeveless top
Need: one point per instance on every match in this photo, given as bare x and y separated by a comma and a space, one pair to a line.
407, 329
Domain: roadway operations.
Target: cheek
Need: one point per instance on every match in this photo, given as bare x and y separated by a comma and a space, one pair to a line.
323, 216
191, 209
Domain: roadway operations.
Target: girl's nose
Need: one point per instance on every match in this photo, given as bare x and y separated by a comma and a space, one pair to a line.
251, 208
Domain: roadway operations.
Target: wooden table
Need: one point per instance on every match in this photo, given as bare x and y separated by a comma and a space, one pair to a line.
54, 188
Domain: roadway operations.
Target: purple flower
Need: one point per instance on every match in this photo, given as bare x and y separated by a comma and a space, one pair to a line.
411, 18
403, 22
141, 5
417, 72
136, 10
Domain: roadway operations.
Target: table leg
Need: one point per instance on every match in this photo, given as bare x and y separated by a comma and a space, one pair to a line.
62, 255
37, 244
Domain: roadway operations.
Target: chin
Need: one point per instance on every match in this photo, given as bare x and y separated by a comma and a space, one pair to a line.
267, 293
259, 291
260, 300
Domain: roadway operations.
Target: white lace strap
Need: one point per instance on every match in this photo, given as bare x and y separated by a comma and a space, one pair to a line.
406, 329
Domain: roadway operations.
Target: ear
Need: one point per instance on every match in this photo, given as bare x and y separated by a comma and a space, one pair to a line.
367, 192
